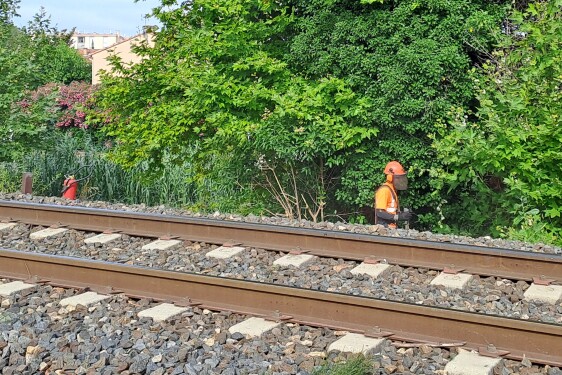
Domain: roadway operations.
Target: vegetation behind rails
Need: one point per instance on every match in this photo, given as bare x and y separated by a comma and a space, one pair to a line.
309, 100
31, 57
81, 156
507, 154
294, 108
410, 59
226, 90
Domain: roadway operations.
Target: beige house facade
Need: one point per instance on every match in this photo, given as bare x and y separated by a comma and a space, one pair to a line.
122, 49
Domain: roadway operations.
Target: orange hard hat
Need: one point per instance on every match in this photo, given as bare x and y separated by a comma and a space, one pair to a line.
394, 168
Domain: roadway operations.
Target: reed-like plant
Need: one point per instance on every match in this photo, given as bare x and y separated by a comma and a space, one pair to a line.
77, 154
8, 182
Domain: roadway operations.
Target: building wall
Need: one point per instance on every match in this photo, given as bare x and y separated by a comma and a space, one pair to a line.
123, 50
94, 41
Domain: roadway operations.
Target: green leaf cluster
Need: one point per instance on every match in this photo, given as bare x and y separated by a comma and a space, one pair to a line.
8, 9
304, 101
29, 58
314, 95
216, 81
28, 123
411, 60
507, 155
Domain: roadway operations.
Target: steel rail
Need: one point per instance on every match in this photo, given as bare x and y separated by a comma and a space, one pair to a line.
520, 265
539, 342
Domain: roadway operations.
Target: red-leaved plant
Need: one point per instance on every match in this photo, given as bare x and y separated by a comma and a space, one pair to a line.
73, 100
63, 106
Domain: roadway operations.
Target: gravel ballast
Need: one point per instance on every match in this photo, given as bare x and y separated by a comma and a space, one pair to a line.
375, 230
490, 295
38, 335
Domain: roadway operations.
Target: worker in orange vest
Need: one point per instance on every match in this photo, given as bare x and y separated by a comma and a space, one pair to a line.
387, 207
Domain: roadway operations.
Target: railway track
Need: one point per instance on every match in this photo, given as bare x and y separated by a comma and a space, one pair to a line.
505, 263
539, 342
115, 335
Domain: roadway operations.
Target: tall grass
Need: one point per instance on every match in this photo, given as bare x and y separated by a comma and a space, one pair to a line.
216, 185
104, 180
8, 180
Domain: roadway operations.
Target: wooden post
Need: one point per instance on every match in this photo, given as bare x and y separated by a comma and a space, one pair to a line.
27, 183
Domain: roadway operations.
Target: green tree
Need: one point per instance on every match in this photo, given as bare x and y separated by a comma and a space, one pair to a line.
55, 60
507, 156
29, 58
215, 81
411, 60
17, 71
8, 9
29, 123
33, 120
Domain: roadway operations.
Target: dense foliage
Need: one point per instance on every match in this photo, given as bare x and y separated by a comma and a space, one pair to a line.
32, 118
8, 9
507, 156
29, 58
295, 107
308, 100
79, 153
411, 60
52, 58
216, 81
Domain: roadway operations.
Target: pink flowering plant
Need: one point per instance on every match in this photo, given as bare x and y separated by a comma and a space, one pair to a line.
32, 118
63, 106
37, 106
73, 101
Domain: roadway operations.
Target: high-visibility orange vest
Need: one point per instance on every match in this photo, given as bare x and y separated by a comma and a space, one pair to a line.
386, 199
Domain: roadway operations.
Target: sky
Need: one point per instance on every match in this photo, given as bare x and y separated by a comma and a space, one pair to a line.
89, 16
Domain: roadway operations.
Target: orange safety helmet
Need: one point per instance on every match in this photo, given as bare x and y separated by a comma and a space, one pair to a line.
394, 168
